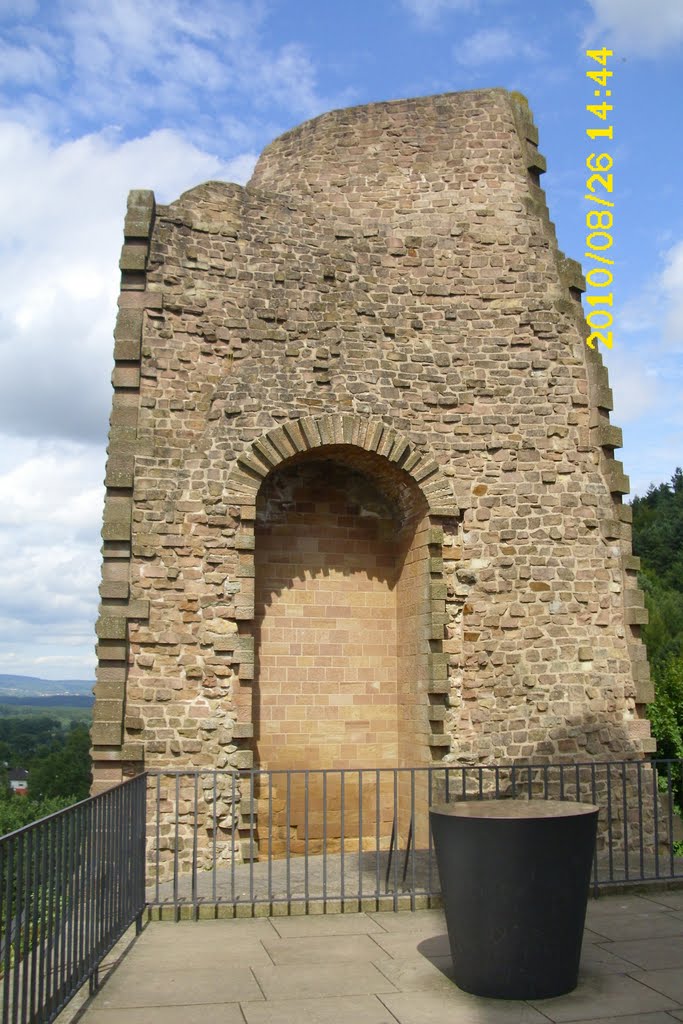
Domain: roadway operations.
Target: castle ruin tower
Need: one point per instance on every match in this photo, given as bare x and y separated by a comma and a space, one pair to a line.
362, 504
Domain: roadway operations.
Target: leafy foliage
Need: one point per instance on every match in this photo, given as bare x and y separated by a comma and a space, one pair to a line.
666, 716
41, 707
663, 635
658, 540
18, 811
23, 738
658, 531
64, 771
58, 763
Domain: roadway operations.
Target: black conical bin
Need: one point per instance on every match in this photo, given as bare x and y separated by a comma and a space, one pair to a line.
514, 881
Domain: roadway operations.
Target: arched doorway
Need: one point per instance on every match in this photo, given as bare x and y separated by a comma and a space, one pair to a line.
342, 638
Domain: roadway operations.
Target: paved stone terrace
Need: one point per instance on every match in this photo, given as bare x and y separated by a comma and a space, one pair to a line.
380, 969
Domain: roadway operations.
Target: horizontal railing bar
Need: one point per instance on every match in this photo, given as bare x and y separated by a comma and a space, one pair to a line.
439, 767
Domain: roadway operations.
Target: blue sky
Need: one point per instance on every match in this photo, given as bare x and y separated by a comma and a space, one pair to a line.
98, 98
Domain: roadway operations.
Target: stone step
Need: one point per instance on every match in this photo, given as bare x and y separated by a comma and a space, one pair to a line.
248, 850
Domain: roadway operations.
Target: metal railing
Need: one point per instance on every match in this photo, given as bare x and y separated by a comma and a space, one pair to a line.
360, 838
70, 886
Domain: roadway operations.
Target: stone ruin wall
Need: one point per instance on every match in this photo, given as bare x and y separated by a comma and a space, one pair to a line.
386, 299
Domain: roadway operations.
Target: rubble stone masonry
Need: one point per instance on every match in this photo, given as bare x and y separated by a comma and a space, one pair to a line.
362, 504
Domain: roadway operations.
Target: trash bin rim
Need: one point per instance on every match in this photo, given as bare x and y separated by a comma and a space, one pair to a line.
513, 809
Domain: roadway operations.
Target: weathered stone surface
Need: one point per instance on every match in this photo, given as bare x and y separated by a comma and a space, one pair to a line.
386, 298
110, 690
111, 627
103, 733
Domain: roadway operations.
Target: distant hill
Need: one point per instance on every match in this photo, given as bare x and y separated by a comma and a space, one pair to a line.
58, 700
33, 686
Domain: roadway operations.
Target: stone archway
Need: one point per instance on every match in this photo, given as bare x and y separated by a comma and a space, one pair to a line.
363, 433
346, 665
421, 498
341, 606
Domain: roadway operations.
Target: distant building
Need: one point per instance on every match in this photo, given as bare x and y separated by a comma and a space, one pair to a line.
18, 781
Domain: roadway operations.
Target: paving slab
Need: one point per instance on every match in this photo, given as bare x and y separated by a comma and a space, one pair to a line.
617, 904
127, 942
190, 932
651, 954
669, 981
223, 951
597, 957
324, 949
326, 924
137, 986
413, 922
358, 1009
601, 995
673, 900
590, 936
444, 963
380, 968
194, 945
336, 979
456, 1007
641, 925
660, 1017
402, 944
418, 975
204, 1013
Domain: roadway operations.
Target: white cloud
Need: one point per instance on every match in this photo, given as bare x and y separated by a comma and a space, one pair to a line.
50, 509
636, 389
124, 60
62, 208
658, 307
289, 73
127, 45
491, 44
672, 285
428, 12
26, 65
52, 484
128, 73
652, 457
637, 27
640, 311
648, 399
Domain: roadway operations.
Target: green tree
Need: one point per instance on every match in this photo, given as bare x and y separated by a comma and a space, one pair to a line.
663, 634
658, 540
64, 772
18, 811
25, 737
658, 531
666, 716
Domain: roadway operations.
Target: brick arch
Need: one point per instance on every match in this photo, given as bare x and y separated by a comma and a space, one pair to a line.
412, 481
297, 437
